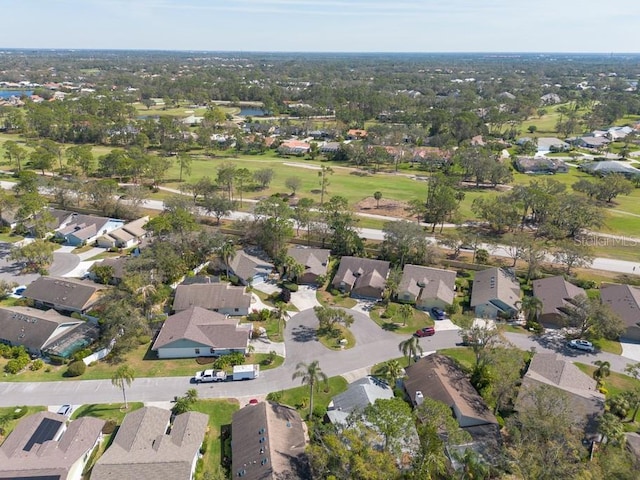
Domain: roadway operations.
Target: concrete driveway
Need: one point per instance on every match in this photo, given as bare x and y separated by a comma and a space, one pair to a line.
10, 270
305, 297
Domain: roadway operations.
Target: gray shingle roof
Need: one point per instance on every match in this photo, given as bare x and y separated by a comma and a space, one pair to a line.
494, 283
427, 282
143, 450
211, 296
313, 259
361, 272
245, 265
202, 327
624, 300
364, 391
66, 292
51, 457
268, 442
554, 292
31, 327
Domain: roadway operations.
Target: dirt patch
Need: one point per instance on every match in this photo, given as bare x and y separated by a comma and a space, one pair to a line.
386, 207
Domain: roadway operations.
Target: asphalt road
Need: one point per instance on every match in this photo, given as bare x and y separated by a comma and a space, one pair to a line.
373, 345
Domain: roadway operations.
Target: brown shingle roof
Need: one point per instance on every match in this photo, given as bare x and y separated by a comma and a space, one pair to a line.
427, 282
202, 327
551, 369
554, 292
142, 449
624, 300
31, 327
245, 265
268, 442
212, 296
438, 377
361, 272
22, 455
314, 260
494, 283
67, 293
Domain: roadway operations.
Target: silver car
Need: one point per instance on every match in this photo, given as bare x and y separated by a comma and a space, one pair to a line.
582, 345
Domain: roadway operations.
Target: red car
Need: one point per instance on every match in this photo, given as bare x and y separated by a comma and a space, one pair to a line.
425, 332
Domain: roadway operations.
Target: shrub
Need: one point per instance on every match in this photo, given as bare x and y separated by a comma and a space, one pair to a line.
36, 365
14, 365
109, 427
292, 287
275, 396
534, 327
143, 339
285, 295
57, 360
19, 412
582, 283
80, 354
75, 369
204, 360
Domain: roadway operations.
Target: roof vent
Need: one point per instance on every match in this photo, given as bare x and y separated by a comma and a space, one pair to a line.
419, 400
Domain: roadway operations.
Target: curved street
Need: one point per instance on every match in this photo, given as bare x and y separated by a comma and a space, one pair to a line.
373, 345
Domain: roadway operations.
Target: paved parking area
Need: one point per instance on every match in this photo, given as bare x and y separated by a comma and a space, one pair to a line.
631, 350
10, 270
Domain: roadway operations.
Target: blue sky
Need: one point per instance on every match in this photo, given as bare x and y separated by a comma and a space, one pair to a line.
324, 25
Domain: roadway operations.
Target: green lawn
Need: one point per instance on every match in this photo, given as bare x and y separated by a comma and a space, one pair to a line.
332, 342
615, 383
340, 300
463, 355
11, 424
10, 238
394, 321
113, 412
298, 397
220, 414
611, 346
142, 360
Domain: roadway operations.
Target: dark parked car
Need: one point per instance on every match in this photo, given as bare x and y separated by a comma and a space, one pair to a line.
425, 332
437, 313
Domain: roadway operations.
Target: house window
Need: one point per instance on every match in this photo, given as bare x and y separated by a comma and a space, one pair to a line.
215, 309
197, 351
236, 309
212, 350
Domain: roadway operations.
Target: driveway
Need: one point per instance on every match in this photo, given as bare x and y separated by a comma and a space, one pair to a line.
305, 297
63, 263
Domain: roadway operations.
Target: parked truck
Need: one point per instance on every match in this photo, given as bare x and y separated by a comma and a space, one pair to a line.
240, 372
210, 376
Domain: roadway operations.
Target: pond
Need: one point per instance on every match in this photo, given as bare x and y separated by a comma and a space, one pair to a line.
14, 93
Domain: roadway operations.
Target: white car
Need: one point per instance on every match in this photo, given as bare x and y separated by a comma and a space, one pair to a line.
582, 345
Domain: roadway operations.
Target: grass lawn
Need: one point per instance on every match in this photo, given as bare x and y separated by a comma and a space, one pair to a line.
509, 328
298, 397
269, 300
341, 300
394, 321
104, 255
220, 414
113, 412
142, 360
615, 383
332, 342
463, 355
11, 424
611, 346
10, 238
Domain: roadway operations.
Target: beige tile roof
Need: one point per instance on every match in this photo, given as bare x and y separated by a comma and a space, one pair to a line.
211, 296
428, 283
53, 457
268, 442
143, 450
202, 327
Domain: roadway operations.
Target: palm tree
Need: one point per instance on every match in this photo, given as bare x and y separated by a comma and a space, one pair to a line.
280, 314
391, 371
310, 374
603, 370
226, 252
122, 377
532, 307
406, 312
410, 348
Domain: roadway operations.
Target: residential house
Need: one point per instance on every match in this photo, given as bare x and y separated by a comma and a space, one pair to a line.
44, 447
118, 268
126, 236
546, 144
8, 218
197, 332
356, 134
149, 446
555, 294
63, 294
609, 166
439, 378
594, 142
330, 147
495, 292
427, 287
314, 261
49, 220
540, 165
618, 133
85, 229
361, 277
217, 297
550, 99
587, 403
430, 155
358, 395
624, 300
294, 147
268, 442
249, 268
34, 329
